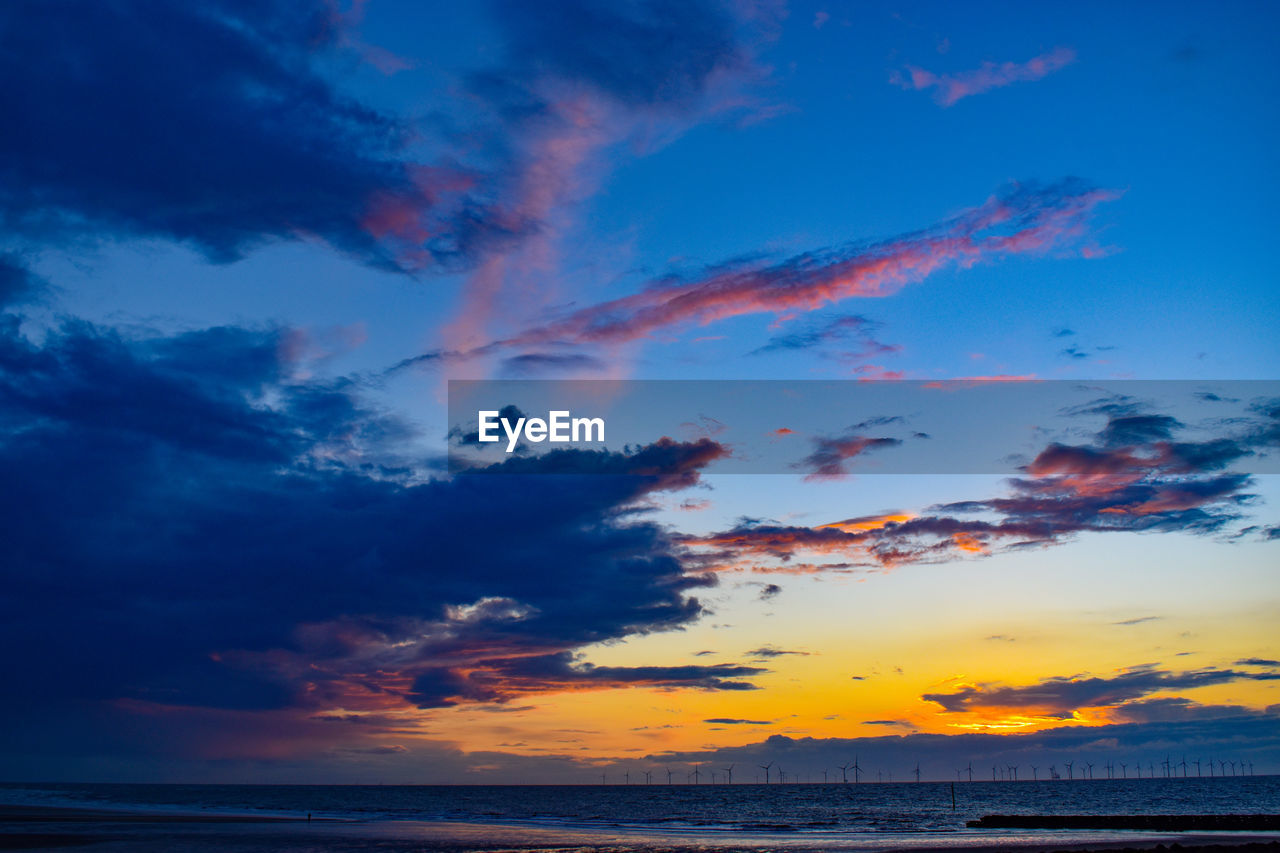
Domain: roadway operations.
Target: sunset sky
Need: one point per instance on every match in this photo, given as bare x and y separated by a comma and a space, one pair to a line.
245, 247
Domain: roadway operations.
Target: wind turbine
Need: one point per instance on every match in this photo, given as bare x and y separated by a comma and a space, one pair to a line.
1183, 765
1013, 769
1124, 769
1197, 763
648, 777
970, 768
1070, 764
856, 770
782, 777
917, 771
626, 778
668, 775
729, 773
844, 773
697, 770
765, 768
1089, 764
1035, 773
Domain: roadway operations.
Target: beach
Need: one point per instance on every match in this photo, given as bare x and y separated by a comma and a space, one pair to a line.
27, 827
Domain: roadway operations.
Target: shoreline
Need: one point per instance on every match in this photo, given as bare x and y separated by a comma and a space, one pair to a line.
35, 827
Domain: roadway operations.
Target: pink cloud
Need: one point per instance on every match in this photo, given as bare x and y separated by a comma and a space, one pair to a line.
1022, 220
992, 75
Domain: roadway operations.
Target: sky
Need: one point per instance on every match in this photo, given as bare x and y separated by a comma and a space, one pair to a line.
246, 247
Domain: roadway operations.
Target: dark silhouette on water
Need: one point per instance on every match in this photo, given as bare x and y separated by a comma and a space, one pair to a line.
1154, 823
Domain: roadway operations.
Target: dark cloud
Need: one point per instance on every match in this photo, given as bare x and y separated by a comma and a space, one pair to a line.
1173, 709
1137, 620
205, 123
850, 336
238, 538
642, 52
17, 283
664, 465
219, 124
770, 590
831, 456
506, 678
772, 652
732, 721
1125, 430
1061, 697
469, 436
545, 362
1258, 662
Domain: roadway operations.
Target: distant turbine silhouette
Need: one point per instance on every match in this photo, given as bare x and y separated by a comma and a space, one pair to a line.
856, 769
765, 768
970, 768
648, 777
626, 778
1070, 772
1089, 764
917, 771
1013, 769
729, 773
844, 773
1198, 773
697, 769
1035, 773
1124, 769
668, 775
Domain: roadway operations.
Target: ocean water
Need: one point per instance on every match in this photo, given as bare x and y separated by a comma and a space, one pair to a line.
779, 816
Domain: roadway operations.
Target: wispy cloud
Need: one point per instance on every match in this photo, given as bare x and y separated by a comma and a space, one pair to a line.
1064, 696
991, 75
1028, 218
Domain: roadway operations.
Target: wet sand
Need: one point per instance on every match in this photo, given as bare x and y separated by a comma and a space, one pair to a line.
53, 828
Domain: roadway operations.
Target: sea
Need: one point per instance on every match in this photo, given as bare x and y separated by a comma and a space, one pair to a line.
867, 816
